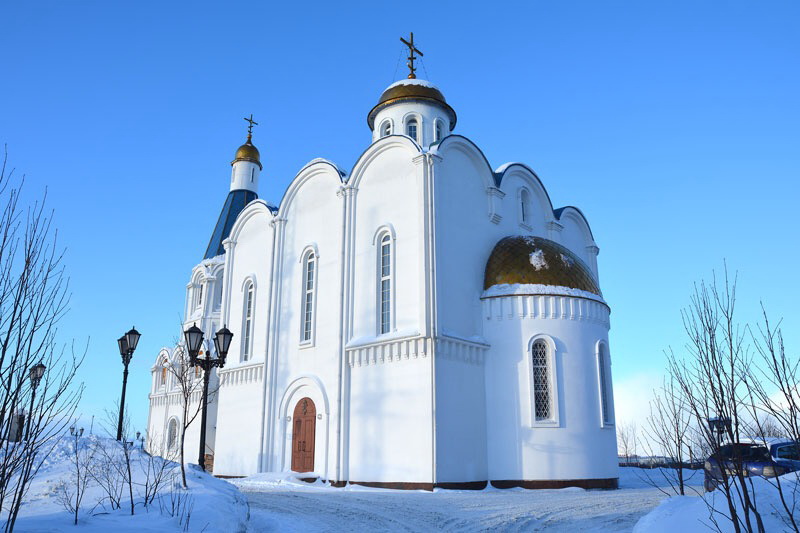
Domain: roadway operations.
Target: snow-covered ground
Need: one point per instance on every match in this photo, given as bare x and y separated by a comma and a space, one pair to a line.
283, 503
209, 505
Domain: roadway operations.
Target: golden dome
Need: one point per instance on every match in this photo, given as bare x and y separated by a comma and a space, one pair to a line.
248, 152
411, 90
537, 261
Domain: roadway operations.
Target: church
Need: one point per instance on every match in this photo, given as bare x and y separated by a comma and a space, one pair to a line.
421, 320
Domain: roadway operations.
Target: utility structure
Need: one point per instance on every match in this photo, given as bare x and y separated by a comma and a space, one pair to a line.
36, 373
194, 343
127, 345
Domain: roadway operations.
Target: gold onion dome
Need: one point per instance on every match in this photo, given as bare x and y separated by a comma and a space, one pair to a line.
537, 261
411, 90
248, 152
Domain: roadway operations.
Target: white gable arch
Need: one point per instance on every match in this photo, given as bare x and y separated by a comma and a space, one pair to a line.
253, 211
385, 144
540, 199
318, 169
461, 144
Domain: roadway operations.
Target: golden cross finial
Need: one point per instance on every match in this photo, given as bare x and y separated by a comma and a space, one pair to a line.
411, 56
250, 127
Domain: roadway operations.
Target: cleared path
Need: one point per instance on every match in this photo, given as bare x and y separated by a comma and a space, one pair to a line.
287, 505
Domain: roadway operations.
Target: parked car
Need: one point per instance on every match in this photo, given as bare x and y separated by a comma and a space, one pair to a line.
777, 457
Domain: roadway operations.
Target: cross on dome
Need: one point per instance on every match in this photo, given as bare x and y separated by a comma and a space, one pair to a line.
411, 57
250, 127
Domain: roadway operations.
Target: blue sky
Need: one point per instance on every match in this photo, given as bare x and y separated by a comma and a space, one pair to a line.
672, 125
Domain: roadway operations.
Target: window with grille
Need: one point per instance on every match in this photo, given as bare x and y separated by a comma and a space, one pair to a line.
411, 128
386, 129
385, 287
247, 323
604, 404
542, 390
309, 278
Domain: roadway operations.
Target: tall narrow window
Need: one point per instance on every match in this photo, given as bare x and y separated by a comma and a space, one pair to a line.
542, 390
386, 129
200, 295
386, 284
309, 278
411, 128
172, 434
164, 375
604, 403
524, 203
247, 323
438, 132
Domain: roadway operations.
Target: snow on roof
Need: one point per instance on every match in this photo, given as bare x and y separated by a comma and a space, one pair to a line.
422, 83
502, 168
323, 160
519, 289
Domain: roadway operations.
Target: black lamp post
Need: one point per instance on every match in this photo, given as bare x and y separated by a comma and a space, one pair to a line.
127, 345
719, 425
194, 341
36, 373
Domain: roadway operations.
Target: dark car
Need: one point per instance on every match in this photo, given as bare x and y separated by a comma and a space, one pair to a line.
753, 458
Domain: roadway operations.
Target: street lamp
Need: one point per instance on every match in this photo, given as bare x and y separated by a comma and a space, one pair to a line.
194, 341
127, 344
719, 425
36, 373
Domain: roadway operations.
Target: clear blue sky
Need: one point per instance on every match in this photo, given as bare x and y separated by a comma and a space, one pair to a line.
675, 126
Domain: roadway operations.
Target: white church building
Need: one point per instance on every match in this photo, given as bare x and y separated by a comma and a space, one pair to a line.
421, 320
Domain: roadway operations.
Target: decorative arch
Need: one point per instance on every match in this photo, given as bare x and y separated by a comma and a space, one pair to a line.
540, 199
318, 168
377, 148
576, 216
384, 228
534, 367
386, 127
461, 144
253, 209
305, 386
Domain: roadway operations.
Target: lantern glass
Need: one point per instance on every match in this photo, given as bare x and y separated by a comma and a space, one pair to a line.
37, 371
222, 342
133, 339
194, 340
123, 345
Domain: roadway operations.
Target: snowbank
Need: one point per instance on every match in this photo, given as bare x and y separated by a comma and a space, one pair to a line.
688, 514
210, 504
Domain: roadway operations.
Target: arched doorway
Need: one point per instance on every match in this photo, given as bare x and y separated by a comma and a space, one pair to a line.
304, 425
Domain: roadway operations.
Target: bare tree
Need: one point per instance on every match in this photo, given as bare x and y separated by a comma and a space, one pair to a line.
626, 437
157, 472
70, 492
33, 299
189, 388
711, 379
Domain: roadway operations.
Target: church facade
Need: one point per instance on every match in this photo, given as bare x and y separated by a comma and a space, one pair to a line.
423, 320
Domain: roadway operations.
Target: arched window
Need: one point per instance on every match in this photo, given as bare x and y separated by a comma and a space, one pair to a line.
438, 131
385, 285
411, 128
247, 322
602, 368
172, 434
163, 375
309, 281
199, 295
386, 128
542, 381
524, 206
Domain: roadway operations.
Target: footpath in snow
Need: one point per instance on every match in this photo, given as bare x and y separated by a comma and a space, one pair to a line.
280, 502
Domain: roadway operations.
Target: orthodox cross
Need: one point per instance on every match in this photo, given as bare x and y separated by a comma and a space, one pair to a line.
252, 123
411, 56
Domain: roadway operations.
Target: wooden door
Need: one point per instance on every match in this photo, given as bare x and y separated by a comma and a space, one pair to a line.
304, 425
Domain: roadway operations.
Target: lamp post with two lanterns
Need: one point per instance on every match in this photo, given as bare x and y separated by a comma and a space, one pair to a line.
194, 342
127, 344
